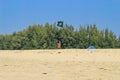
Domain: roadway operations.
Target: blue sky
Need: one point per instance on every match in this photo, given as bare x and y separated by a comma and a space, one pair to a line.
16, 15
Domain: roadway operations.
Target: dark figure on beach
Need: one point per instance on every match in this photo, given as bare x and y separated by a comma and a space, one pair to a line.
59, 42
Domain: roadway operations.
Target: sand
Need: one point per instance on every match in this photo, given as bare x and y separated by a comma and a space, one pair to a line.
61, 64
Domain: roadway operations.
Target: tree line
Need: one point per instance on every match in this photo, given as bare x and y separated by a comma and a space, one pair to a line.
45, 37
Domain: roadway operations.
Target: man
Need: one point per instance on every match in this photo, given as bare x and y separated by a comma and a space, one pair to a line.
59, 42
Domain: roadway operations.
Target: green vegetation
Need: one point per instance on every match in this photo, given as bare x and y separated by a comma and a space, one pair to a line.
45, 37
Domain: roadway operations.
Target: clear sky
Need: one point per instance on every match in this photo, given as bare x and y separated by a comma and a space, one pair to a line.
16, 15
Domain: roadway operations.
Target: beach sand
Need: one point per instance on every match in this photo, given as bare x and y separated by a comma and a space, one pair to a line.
60, 64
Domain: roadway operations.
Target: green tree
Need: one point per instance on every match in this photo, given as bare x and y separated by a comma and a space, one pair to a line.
45, 37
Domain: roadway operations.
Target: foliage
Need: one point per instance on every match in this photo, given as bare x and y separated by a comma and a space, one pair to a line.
45, 37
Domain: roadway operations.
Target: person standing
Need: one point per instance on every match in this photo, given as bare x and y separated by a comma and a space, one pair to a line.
59, 42
60, 25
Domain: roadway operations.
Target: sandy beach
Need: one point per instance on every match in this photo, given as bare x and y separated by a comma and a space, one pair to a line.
60, 64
